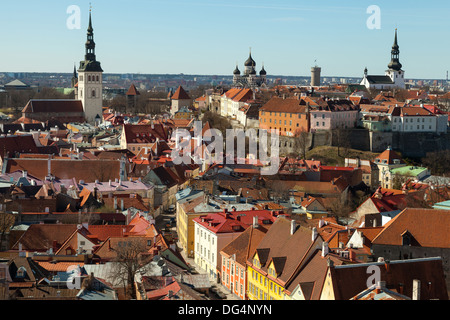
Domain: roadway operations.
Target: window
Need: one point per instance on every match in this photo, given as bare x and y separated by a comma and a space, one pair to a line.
21, 272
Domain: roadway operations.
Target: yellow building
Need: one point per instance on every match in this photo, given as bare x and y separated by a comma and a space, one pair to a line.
185, 224
276, 262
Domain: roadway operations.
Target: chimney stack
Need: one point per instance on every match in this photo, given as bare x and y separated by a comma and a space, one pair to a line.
416, 290
314, 234
380, 285
255, 222
293, 227
321, 223
325, 249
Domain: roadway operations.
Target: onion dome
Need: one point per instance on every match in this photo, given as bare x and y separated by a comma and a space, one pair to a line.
236, 71
250, 62
263, 71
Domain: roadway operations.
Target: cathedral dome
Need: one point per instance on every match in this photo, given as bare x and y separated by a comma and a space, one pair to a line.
263, 72
250, 62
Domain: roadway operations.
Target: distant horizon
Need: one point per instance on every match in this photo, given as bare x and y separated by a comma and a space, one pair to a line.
200, 37
207, 75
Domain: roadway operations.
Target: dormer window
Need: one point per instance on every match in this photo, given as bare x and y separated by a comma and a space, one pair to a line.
21, 272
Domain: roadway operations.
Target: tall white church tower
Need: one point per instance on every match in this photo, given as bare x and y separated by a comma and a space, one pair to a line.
90, 81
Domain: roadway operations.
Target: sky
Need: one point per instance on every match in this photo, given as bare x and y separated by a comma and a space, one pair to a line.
210, 37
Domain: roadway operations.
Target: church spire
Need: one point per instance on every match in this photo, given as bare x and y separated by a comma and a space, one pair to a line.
90, 62
90, 44
395, 54
90, 29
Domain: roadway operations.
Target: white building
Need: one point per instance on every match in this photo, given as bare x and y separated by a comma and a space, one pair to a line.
216, 230
414, 119
394, 77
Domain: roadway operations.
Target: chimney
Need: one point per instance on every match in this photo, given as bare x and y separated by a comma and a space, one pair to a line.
321, 223
255, 222
86, 225
293, 227
115, 203
325, 249
416, 290
314, 234
122, 206
49, 166
380, 285
401, 288
128, 216
24, 174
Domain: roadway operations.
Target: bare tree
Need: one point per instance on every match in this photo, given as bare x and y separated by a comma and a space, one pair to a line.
301, 141
340, 208
342, 141
6, 222
129, 262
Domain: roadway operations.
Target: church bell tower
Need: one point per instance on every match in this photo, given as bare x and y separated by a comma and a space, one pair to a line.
90, 80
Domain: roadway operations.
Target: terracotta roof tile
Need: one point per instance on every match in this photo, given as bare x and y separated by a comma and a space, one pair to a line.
428, 227
180, 94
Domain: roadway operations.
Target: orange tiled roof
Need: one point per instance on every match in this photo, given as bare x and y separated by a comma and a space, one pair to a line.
428, 228
180, 94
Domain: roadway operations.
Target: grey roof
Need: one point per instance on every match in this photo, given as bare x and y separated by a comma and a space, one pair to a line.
379, 80
16, 83
196, 281
106, 294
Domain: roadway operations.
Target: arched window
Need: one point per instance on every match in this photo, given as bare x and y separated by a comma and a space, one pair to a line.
89, 78
93, 93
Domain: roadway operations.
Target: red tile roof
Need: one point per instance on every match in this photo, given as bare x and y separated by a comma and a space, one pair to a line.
132, 91
10, 145
389, 155
86, 170
235, 221
288, 105
428, 227
145, 133
180, 94
54, 106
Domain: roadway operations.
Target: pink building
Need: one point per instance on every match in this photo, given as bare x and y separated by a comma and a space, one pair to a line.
337, 114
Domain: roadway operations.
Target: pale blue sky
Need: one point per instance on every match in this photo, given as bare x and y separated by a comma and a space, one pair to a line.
209, 37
